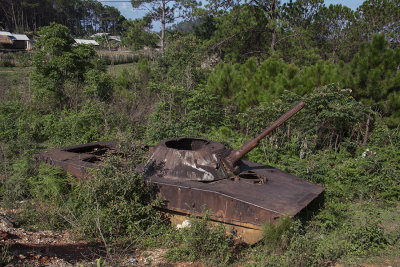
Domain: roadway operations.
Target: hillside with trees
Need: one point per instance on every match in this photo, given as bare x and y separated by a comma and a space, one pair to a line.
82, 17
223, 73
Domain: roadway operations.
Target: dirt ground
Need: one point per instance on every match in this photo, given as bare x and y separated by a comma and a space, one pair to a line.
51, 248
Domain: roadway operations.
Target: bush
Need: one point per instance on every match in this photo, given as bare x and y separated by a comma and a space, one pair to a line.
180, 64
314, 245
203, 242
6, 64
183, 112
115, 205
20, 128
15, 187
330, 118
70, 127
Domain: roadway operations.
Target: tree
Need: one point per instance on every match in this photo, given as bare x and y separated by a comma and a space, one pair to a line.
301, 13
166, 11
81, 16
137, 35
376, 77
60, 71
240, 33
330, 28
271, 9
297, 43
380, 16
161, 10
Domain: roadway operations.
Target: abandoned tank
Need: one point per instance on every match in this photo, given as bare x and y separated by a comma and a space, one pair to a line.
193, 175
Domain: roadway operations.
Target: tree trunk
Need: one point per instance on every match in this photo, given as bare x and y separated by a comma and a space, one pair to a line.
273, 41
163, 27
364, 143
273, 18
13, 16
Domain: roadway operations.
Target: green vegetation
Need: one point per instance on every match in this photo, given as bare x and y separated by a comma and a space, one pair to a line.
228, 75
61, 70
204, 242
114, 206
5, 257
17, 59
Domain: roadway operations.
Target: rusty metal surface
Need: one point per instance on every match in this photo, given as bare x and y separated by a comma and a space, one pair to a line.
187, 159
248, 233
77, 160
238, 201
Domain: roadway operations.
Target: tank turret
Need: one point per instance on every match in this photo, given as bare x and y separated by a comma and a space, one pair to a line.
202, 160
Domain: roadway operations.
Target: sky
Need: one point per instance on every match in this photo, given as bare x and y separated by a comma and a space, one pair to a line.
128, 12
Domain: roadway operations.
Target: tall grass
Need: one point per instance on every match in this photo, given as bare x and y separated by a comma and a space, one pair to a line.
16, 59
118, 57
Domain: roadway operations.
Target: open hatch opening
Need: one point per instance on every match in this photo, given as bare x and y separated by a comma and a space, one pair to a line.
187, 144
98, 150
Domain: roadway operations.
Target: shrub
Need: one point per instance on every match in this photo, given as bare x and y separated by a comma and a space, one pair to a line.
15, 187
183, 112
20, 128
180, 64
16, 59
115, 205
202, 241
70, 127
330, 118
310, 244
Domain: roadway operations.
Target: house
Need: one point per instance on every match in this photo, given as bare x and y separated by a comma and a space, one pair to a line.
5, 40
21, 41
15, 41
85, 41
99, 34
115, 38
110, 37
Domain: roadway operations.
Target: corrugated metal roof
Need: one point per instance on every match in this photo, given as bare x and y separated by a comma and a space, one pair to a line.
20, 37
5, 33
99, 34
84, 41
116, 38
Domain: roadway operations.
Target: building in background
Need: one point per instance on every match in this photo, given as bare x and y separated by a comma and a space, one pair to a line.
15, 41
86, 41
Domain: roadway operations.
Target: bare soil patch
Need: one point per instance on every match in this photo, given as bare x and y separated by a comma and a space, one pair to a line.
59, 248
39, 248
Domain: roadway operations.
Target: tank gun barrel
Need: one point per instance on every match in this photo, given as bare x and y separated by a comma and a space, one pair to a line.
239, 153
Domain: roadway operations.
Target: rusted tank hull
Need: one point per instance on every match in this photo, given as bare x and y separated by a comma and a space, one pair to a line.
242, 205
